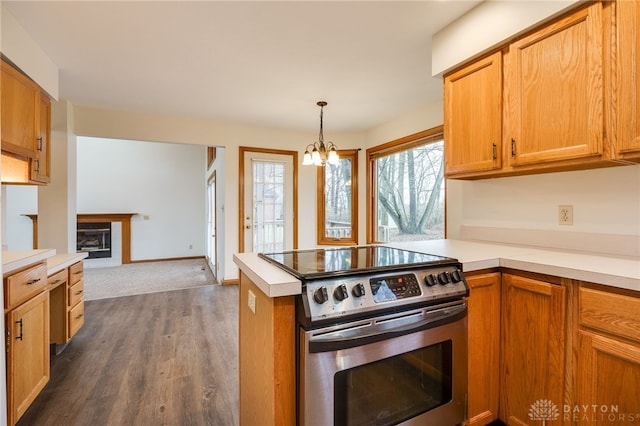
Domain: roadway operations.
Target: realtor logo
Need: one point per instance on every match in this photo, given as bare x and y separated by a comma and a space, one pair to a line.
543, 409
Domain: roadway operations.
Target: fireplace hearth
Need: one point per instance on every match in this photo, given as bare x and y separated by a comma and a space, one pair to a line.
95, 239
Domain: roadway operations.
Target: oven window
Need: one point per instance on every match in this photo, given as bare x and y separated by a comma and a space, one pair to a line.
395, 389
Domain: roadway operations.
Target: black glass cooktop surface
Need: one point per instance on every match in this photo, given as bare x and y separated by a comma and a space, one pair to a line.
317, 263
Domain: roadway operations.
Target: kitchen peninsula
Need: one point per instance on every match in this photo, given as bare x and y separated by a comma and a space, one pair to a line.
579, 307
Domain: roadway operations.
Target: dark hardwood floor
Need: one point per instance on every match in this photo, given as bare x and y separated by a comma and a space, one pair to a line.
166, 358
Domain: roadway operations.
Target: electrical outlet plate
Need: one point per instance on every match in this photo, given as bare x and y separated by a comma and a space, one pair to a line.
565, 214
251, 301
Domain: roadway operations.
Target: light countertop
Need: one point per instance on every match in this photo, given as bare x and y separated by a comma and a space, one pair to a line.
13, 260
614, 271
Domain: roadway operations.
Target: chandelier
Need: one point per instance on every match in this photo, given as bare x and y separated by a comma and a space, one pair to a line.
321, 153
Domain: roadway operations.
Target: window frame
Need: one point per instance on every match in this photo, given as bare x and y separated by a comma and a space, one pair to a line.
424, 137
321, 237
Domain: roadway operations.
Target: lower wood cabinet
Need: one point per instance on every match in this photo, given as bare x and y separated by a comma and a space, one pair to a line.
67, 303
484, 347
533, 351
608, 370
27, 343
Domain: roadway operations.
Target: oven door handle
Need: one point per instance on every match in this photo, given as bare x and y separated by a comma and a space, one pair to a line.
335, 341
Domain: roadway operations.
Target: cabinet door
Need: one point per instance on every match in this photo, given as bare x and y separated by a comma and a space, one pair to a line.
628, 100
473, 117
608, 376
554, 91
27, 354
533, 351
19, 112
41, 164
484, 348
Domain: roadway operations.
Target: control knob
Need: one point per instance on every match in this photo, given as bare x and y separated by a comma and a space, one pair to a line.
320, 295
358, 290
341, 293
456, 276
443, 277
431, 280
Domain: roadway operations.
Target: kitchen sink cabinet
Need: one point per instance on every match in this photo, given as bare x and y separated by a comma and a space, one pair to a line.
27, 337
532, 346
628, 99
473, 117
484, 347
608, 355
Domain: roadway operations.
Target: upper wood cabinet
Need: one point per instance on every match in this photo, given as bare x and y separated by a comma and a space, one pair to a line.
569, 98
20, 97
26, 129
554, 91
628, 99
41, 164
473, 117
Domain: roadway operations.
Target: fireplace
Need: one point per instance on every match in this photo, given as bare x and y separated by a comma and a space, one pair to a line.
95, 239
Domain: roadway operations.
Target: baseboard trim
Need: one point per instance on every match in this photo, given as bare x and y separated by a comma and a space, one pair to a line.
234, 281
168, 259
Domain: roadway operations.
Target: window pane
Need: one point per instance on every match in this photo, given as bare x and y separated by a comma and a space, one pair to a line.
337, 186
268, 206
410, 198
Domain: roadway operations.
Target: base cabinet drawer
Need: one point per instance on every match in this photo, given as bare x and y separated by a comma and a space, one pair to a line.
25, 284
75, 293
76, 319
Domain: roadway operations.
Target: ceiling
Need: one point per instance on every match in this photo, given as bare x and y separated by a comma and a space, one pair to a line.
263, 63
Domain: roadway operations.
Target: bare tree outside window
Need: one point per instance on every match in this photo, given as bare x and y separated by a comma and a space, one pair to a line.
410, 193
337, 195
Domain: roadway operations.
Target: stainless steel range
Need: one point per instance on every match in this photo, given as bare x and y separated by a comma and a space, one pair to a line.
382, 336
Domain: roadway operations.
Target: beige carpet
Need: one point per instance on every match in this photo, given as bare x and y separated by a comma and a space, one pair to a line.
148, 277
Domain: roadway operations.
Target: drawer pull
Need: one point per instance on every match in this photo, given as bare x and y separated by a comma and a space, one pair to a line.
33, 281
56, 282
77, 272
78, 293
19, 337
79, 316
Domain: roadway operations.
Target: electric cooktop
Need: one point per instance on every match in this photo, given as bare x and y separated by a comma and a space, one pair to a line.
321, 263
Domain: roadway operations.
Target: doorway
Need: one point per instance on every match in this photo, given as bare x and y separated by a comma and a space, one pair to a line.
212, 252
268, 200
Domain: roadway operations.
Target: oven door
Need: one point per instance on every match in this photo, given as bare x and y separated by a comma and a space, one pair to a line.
405, 368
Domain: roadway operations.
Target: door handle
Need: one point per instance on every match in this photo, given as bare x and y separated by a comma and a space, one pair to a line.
248, 226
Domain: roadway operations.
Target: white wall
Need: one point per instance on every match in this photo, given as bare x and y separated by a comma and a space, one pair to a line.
162, 181
17, 229
125, 125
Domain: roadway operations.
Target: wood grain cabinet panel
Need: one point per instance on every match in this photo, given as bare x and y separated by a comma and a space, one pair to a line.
41, 163
609, 377
20, 97
473, 117
484, 347
628, 93
533, 347
554, 91
27, 354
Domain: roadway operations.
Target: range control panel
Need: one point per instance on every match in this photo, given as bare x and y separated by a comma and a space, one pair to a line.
334, 297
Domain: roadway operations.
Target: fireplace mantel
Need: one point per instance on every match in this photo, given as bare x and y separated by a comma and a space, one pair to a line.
124, 218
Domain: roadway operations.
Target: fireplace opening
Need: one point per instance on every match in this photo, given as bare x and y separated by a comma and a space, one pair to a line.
95, 239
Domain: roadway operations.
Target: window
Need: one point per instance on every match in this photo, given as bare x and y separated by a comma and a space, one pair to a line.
405, 180
338, 201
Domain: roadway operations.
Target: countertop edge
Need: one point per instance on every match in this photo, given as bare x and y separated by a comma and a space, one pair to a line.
13, 261
271, 280
63, 260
